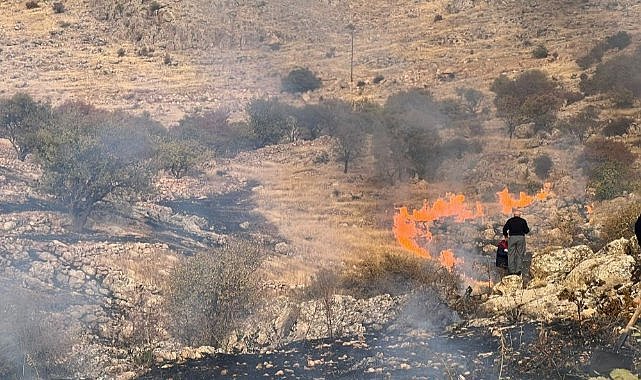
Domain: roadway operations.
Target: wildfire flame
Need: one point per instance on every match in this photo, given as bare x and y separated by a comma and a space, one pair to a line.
412, 230
508, 203
409, 229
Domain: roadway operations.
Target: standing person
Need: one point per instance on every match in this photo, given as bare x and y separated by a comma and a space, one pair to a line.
515, 230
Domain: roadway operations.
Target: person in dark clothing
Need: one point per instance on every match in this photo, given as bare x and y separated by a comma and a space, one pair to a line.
501, 254
515, 230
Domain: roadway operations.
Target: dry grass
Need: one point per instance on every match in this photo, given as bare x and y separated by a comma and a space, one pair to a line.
397, 39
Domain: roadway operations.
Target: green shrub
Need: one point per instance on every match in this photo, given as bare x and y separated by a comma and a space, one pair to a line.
530, 97
270, 121
609, 180
618, 41
619, 74
542, 166
213, 131
540, 52
32, 4
121, 52
300, 80
21, 120
179, 157
58, 7
617, 127
210, 293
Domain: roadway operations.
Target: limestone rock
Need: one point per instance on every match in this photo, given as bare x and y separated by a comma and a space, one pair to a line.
555, 264
610, 269
508, 285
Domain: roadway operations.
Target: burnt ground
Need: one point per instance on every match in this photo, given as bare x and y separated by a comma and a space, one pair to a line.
517, 351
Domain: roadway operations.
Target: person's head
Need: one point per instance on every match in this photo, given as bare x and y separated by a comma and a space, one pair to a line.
517, 212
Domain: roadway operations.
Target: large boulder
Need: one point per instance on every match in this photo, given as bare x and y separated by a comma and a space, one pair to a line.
609, 270
554, 264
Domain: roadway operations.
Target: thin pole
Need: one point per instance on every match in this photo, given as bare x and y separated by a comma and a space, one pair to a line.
351, 62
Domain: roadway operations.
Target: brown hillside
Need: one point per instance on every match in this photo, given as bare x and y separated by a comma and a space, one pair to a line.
225, 53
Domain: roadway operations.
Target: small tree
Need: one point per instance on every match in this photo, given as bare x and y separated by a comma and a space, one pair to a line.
530, 97
268, 121
470, 98
21, 118
211, 292
583, 124
348, 126
178, 157
88, 157
542, 166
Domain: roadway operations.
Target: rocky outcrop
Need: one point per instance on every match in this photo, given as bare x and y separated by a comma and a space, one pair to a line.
575, 270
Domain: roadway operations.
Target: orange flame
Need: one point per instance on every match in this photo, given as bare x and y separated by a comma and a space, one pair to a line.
508, 203
411, 229
448, 260
408, 228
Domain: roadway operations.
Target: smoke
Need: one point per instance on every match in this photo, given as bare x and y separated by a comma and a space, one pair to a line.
35, 340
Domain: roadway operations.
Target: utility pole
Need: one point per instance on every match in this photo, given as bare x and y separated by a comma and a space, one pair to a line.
351, 28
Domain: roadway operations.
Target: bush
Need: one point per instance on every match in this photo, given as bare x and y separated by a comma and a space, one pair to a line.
211, 292
21, 120
32, 4
542, 166
213, 131
270, 121
540, 52
58, 7
620, 222
300, 80
617, 127
618, 41
619, 74
397, 273
609, 180
178, 157
34, 343
121, 52
167, 59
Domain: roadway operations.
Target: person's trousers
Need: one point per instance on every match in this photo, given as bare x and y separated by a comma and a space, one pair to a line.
515, 253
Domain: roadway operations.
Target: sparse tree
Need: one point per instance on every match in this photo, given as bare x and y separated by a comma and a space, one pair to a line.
21, 118
268, 121
530, 97
88, 157
349, 128
471, 99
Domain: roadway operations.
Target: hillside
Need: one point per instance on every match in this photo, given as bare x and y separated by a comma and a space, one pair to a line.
339, 294
224, 53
